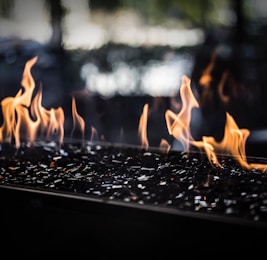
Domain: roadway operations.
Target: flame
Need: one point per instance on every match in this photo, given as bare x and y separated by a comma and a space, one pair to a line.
206, 78
78, 121
56, 124
142, 128
224, 98
164, 146
50, 122
232, 144
22, 115
28, 83
94, 134
178, 125
15, 109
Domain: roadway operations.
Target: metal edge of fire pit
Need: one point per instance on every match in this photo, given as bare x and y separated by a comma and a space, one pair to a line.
215, 217
59, 222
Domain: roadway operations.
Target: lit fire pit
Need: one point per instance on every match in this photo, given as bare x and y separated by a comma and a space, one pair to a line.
108, 195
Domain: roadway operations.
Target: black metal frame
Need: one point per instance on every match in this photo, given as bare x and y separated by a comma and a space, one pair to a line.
39, 222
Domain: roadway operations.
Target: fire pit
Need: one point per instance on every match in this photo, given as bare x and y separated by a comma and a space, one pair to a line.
77, 196
107, 195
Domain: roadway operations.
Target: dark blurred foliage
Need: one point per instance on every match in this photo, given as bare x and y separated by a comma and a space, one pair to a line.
6, 8
155, 11
57, 13
104, 4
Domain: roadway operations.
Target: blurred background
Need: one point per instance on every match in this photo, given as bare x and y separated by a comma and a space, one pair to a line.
116, 56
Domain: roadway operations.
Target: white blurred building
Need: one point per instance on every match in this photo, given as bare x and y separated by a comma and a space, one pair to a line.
83, 28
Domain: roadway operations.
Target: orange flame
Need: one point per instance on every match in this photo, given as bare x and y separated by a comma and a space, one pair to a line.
78, 121
206, 78
15, 109
142, 128
56, 124
17, 118
233, 142
94, 134
224, 98
25, 115
178, 125
50, 122
164, 146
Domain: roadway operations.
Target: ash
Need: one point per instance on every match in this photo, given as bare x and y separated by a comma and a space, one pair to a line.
177, 180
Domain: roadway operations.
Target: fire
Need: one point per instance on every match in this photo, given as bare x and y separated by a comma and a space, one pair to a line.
142, 129
78, 121
94, 134
224, 98
164, 146
24, 116
233, 142
16, 107
206, 79
179, 124
49, 122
